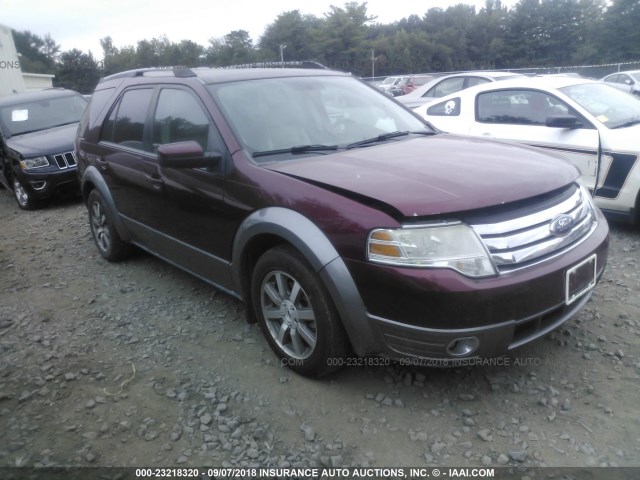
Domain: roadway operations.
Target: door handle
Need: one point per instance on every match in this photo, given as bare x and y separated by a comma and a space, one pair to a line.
155, 182
101, 162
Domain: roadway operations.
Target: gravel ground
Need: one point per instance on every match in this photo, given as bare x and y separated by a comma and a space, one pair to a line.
140, 364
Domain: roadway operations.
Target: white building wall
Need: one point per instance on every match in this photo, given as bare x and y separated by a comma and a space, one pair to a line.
11, 80
37, 81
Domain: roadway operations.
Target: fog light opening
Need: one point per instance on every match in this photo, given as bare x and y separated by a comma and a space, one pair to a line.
462, 347
38, 185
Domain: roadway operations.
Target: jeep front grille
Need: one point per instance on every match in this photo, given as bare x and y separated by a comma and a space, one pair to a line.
65, 160
524, 240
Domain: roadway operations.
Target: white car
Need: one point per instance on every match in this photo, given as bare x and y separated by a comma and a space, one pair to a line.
625, 81
447, 84
390, 82
589, 123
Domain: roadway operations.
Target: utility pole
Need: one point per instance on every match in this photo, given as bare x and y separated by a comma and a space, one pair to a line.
282, 47
373, 63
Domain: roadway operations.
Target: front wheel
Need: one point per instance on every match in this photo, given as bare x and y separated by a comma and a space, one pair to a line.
23, 197
296, 313
105, 236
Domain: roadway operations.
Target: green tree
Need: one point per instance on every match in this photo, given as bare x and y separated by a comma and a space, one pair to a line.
343, 38
295, 30
186, 53
37, 54
78, 71
621, 31
153, 53
117, 60
234, 48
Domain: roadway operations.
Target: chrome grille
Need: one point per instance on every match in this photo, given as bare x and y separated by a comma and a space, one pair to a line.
523, 240
65, 160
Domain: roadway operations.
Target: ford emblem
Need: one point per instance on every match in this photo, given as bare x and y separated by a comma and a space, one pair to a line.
561, 225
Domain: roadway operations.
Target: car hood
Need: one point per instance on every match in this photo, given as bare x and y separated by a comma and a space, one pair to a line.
625, 139
44, 142
435, 175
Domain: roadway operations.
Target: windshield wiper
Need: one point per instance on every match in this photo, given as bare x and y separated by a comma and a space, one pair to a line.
296, 150
630, 123
386, 136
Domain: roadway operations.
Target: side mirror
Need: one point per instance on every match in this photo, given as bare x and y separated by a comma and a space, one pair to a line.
185, 155
563, 121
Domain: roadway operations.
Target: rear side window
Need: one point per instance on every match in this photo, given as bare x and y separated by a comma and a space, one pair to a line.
473, 81
96, 105
449, 108
446, 87
125, 125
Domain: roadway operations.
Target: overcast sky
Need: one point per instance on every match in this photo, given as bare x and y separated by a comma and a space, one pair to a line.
81, 24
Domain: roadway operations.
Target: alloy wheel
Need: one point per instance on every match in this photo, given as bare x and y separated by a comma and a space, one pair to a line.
288, 314
21, 195
100, 227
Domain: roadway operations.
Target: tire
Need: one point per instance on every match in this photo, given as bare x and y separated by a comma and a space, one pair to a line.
23, 197
104, 234
296, 314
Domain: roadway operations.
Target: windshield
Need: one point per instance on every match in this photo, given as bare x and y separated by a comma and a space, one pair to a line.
612, 107
41, 115
636, 76
390, 80
319, 112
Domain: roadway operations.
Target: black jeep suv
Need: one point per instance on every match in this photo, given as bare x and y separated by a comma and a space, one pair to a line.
37, 130
339, 217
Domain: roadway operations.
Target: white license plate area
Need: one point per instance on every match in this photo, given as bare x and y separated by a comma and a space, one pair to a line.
580, 279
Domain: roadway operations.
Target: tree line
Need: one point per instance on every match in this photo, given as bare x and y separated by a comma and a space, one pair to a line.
532, 33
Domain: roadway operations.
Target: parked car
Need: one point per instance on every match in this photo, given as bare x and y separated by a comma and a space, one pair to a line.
626, 81
446, 84
393, 85
37, 130
591, 124
341, 219
409, 84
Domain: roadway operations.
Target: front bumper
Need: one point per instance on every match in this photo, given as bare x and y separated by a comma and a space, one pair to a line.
401, 341
419, 313
42, 185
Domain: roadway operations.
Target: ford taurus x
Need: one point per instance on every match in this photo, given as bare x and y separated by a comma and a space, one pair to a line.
344, 222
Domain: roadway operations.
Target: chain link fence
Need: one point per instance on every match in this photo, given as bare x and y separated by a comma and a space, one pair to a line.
587, 71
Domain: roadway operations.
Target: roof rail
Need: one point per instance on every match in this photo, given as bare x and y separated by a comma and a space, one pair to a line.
306, 64
179, 72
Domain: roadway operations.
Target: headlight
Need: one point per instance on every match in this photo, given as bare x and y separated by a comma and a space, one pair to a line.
449, 245
586, 194
37, 162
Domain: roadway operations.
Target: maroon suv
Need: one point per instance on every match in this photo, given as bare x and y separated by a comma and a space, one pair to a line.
343, 221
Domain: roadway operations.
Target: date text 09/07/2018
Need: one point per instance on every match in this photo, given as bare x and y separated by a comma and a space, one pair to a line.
311, 473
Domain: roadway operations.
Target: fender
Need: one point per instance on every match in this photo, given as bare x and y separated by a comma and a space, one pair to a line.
92, 176
309, 240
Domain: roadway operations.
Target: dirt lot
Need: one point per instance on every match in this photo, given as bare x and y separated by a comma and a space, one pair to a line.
139, 364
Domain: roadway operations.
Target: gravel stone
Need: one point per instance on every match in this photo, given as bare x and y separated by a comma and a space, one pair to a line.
134, 363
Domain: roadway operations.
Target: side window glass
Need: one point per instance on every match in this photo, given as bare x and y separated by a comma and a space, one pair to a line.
519, 107
450, 85
179, 118
450, 108
473, 81
125, 125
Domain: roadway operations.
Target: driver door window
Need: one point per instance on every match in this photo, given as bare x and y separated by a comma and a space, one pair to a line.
179, 117
519, 107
